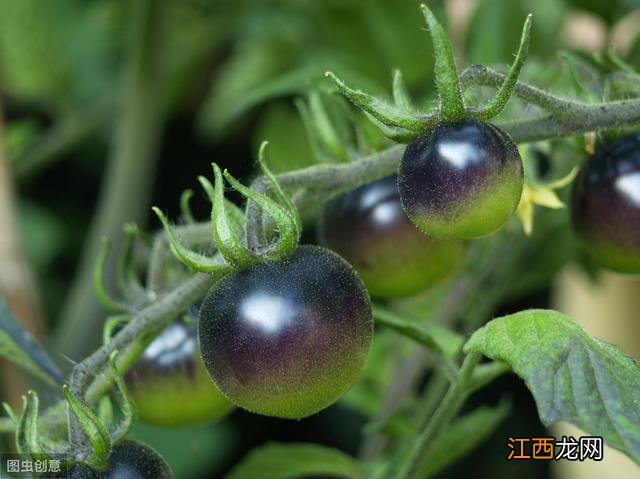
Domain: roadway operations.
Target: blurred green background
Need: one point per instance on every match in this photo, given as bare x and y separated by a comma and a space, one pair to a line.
110, 106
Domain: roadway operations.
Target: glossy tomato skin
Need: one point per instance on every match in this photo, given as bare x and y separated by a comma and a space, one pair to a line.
170, 384
369, 228
461, 180
128, 460
286, 338
605, 205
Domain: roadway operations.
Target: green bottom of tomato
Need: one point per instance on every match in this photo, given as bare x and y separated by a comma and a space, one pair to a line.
405, 271
461, 180
180, 399
486, 214
616, 258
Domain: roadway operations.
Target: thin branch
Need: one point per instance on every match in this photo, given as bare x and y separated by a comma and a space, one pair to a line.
148, 320
448, 408
482, 75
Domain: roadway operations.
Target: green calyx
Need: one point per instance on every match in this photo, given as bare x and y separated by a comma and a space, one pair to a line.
127, 281
228, 225
102, 294
27, 428
326, 143
127, 404
128, 285
93, 428
401, 121
447, 80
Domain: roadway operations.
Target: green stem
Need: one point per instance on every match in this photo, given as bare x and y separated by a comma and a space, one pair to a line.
126, 189
311, 186
482, 75
150, 319
420, 333
432, 397
446, 411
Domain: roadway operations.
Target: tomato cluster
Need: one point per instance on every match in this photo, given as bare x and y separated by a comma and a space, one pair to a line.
605, 205
286, 338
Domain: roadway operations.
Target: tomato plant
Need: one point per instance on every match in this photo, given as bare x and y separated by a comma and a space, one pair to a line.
439, 208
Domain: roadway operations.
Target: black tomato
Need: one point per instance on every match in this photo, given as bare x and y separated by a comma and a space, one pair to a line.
605, 205
461, 180
128, 460
170, 384
286, 338
369, 228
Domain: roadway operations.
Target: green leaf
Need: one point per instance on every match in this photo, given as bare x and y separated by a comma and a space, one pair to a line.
185, 207
127, 280
573, 377
464, 435
288, 461
401, 95
20, 347
503, 94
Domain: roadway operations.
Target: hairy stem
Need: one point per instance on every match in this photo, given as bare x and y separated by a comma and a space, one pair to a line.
482, 75
478, 272
318, 183
125, 192
148, 320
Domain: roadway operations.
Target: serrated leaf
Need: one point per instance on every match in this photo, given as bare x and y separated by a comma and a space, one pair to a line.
464, 435
288, 461
573, 377
19, 346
